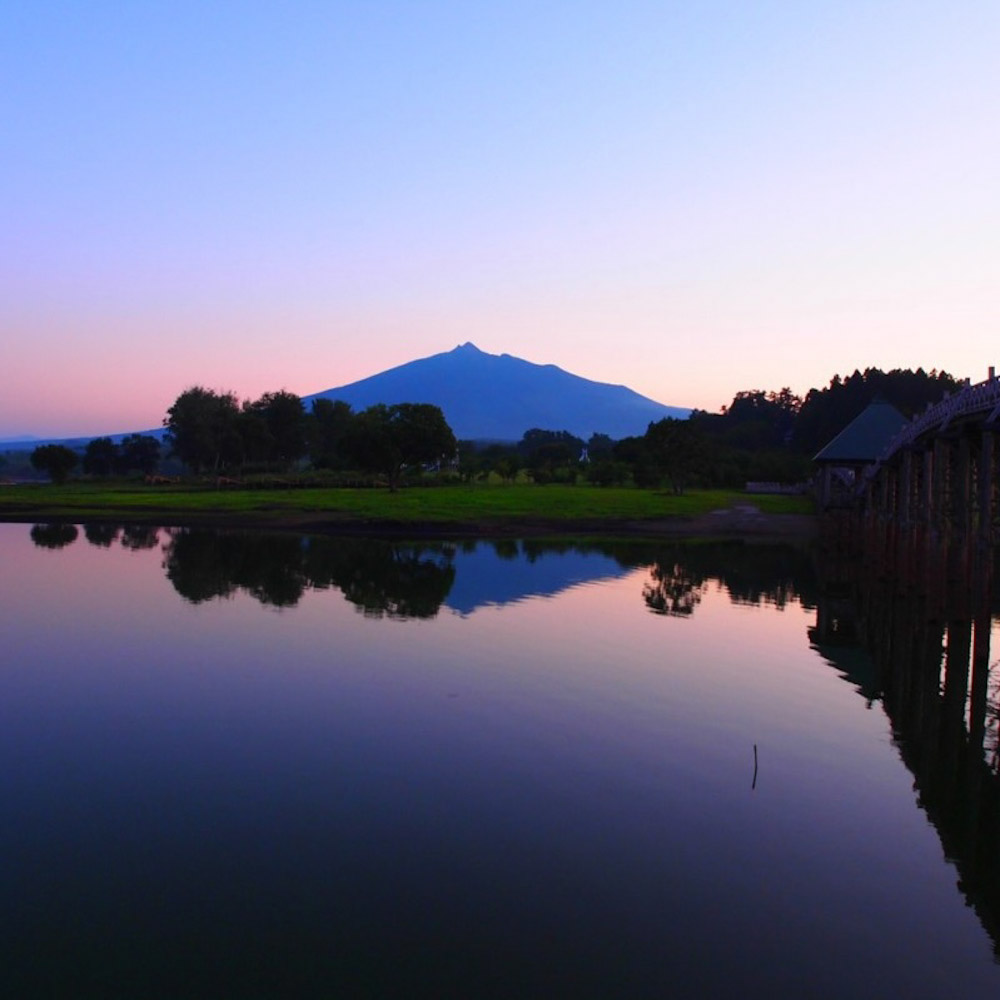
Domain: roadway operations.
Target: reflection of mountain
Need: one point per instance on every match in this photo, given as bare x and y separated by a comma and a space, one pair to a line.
487, 574
917, 634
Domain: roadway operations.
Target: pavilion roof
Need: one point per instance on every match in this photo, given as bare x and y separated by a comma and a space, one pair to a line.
865, 438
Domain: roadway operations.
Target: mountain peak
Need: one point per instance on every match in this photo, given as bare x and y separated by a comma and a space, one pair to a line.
499, 397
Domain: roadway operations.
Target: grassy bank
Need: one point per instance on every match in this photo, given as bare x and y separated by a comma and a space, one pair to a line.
480, 506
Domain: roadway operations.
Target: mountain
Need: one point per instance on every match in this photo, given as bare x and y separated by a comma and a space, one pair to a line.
499, 397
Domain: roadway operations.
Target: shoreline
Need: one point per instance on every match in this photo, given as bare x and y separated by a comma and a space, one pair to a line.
739, 521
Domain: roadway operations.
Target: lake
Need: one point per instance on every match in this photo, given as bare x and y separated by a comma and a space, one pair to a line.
247, 765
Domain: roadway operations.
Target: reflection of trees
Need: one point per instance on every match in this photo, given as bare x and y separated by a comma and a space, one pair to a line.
203, 565
54, 536
506, 548
751, 573
379, 577
680, 571
140, 536
671, 590
383, 578
101, 535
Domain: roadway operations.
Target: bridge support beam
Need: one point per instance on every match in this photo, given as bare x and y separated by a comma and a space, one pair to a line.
961, 486
986, 486
939, 484
927, 487
905, 488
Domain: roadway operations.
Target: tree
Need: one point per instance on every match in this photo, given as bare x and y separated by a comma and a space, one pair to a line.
284, 426
255, 441
599, 446
470, 461
101, 457
202, 428
388, 439
674, 446
551, 454
328, 428
537, 438
140, 452
56, 460
826, 412
502, 459
634, 452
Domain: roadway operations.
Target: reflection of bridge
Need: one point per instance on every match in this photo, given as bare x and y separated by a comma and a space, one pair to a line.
940, 470
923, 607
919, 549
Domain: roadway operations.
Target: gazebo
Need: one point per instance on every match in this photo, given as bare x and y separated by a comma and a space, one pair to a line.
860, 444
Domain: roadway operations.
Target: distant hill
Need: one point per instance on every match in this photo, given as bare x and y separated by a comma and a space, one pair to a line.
499, 397
79, 443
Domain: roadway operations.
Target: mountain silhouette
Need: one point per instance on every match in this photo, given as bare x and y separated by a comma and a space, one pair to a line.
499, 397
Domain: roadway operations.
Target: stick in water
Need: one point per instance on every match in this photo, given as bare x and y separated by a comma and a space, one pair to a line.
754, 785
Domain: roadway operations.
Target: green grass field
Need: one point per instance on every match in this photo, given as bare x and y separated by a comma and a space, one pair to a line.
459, 504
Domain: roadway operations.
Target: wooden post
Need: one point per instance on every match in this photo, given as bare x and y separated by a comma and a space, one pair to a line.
927, 487
961, 478
905, 488
987, 493
939, 486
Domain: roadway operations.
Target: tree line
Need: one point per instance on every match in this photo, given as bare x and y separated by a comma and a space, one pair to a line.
760, 435
101, 457
214, 431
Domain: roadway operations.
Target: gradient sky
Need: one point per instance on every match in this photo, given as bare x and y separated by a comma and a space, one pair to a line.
687, 198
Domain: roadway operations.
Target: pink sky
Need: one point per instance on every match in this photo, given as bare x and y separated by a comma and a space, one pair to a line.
686, 202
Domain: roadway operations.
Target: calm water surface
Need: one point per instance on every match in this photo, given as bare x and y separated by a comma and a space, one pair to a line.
249, 765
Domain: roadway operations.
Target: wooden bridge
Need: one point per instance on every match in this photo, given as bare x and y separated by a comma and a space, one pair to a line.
915, 559
940, 470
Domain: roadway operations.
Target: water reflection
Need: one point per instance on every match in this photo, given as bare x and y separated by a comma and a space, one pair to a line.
566, 780
409, 580
139, 536
414, 580
379, 577
671, 590
53, 536
910, 623
101, 535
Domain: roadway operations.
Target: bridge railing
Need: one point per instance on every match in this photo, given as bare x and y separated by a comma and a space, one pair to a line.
971, 399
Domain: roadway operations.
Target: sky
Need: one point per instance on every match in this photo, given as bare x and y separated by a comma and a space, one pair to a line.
688, 198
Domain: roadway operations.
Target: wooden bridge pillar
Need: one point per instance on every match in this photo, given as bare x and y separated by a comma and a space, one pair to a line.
986, 486
905, 488
961, 482
939, 484
927, 486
